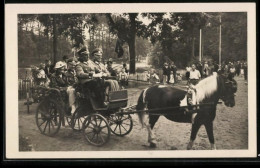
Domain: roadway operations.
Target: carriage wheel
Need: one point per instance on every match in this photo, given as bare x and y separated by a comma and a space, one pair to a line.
96, 130
77, 121
48, 118
69, 120
120, 125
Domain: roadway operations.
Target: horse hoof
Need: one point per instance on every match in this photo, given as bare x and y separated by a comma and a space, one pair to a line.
174, 148
152, 145
189, 146
213, 147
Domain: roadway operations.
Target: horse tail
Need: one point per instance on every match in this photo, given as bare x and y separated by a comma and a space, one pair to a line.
141, 104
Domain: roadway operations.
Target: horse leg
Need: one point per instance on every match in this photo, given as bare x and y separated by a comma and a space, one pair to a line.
209, 129
151, 136
194, 130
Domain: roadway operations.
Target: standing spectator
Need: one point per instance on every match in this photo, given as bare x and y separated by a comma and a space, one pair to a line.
199, 67
172, 80
187, 75
148, 76
165, 73
226, 68
49, 68
215, 66
232, 70
237, 66
174, 71
245, 71
123, 78
206, 69
194, 75
241, 69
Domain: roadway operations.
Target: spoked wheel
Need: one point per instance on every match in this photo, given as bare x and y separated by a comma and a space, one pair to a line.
120, 125
77, 121
48, 118
96, 130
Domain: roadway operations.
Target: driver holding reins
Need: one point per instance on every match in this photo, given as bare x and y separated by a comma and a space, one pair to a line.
90, 73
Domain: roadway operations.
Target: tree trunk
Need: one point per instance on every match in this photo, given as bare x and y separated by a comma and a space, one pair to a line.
54, 40
193, 46
131, 41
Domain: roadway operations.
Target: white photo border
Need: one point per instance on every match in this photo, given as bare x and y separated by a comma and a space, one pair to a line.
11, 74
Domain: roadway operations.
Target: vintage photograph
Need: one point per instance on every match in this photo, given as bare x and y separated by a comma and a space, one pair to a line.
133, 81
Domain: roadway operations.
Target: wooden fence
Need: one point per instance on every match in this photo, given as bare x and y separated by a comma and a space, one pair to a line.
24, 87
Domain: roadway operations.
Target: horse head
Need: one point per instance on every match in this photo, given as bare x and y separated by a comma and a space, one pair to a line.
228, 89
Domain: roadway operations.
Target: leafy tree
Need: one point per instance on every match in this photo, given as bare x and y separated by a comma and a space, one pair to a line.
126, 26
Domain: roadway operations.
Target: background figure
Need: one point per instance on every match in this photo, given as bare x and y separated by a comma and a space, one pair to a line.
245, 71
125, 67
241, 69
148, 76
215, 66
109, 68
194, 75
65, 59
232, 71
41, 76
172, 80
237, 66
165, 73
200, 67
188, 74
49, 68
123, 78
174, 71
206, 69
154, 77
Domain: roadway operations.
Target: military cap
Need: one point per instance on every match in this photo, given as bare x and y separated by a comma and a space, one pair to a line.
97, 51
83, 50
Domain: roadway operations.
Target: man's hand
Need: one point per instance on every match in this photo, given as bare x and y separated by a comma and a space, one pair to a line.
97, 75
104, 74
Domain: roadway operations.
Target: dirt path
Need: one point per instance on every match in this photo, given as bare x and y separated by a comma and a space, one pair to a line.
230, 130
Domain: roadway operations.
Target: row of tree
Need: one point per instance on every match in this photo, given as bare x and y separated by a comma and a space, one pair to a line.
162, 36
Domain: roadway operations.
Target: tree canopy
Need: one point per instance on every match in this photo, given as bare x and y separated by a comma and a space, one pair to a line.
161, 36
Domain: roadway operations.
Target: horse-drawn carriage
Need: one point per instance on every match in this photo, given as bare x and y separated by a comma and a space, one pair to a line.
95, 122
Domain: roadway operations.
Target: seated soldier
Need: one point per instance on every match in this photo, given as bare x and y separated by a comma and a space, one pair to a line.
101, 71
59, 80
89, 73
83, 69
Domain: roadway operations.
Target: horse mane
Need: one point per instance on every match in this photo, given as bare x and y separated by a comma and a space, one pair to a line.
206, 87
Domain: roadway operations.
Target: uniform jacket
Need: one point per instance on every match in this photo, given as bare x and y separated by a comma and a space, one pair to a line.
84, 71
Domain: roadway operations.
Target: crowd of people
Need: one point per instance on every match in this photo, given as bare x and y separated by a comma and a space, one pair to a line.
86, 70
198, 71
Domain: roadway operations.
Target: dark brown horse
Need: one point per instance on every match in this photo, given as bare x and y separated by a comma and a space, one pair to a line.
208, 90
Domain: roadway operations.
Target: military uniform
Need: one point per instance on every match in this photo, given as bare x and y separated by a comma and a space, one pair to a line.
84, 71
99, 67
